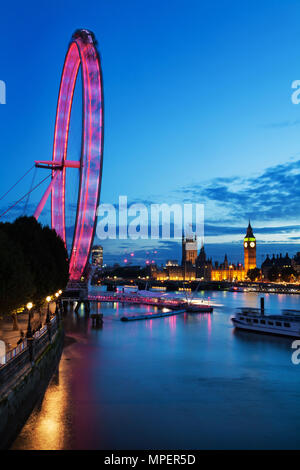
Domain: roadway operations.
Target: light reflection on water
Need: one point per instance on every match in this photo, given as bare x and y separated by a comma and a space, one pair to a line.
188, 381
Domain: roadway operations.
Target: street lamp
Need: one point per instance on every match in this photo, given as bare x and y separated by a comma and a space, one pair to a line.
48, 298
29, 331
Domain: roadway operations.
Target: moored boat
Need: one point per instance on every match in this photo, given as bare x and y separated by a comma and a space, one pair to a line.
286, 324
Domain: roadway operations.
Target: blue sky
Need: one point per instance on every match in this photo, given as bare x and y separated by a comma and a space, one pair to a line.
197, 109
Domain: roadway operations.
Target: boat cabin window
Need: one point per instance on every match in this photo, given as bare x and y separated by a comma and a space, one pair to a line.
287, 325
278, 323
255, 320
248, 320
270, 323
241, 318
263, 322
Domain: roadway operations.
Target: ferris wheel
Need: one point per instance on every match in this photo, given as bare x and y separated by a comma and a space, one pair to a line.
82, 52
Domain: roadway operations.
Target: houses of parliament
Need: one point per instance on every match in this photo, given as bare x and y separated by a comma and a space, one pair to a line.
198, 266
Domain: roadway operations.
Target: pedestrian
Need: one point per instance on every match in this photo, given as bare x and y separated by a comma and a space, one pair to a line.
21, 337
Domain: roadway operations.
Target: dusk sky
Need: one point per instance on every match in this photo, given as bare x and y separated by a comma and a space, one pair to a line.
197, 109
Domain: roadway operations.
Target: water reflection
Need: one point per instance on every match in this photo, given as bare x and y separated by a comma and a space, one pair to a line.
47, 428
187, 381
248, 337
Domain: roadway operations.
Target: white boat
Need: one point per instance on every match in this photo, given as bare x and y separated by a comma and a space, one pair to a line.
287, 324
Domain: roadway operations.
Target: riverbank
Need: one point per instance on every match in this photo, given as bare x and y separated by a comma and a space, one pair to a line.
24, 379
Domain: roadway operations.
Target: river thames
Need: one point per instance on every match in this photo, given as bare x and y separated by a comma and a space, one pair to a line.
183, 382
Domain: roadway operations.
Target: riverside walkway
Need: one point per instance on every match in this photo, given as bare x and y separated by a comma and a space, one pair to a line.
18, 360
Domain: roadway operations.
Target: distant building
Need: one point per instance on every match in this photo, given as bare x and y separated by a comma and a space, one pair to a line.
203, 266
187, 271
189, 250
189, 257
279, 262
296, 262
227, 271
172, 262
97, 256
197, 266
249, 249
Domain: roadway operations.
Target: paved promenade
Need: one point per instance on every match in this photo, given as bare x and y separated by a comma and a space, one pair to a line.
11, 336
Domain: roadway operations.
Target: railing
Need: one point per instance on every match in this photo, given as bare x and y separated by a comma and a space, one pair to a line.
40, 332
14, 352
20, 358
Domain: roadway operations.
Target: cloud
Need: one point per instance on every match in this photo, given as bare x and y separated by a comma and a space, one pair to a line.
216, 230
282, 124
272, 195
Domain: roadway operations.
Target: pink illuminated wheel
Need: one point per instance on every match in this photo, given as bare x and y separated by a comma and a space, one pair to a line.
82, 51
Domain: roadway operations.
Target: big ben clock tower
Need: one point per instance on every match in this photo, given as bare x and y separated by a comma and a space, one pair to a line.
249, 250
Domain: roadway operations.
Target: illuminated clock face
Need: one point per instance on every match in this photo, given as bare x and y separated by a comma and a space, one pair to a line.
245, 244
252, 244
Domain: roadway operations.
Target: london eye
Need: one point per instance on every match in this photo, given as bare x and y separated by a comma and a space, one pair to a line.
82, 52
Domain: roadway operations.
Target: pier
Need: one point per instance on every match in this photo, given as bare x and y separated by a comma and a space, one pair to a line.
150, 316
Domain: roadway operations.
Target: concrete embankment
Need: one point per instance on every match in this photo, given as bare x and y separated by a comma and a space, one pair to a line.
27, 389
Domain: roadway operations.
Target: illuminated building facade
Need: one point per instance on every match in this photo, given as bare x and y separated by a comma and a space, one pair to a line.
97, 256
249, 249
228, 272
189, 250
197, 266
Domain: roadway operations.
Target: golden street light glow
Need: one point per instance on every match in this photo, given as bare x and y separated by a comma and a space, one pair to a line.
60, 292
29, 305
57, 294
48, 298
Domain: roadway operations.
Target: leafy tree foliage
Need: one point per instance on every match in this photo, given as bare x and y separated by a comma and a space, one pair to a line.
36, 257
253, 274
16, 280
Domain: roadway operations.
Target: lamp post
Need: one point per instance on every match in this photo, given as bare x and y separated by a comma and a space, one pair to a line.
29, 331
57, 312
30, 339
48, 310
48, 323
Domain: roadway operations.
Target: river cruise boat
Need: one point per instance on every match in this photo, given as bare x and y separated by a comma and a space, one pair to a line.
252, 319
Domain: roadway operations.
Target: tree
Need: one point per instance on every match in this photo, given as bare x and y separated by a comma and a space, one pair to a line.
16, 280
58, 259
43, 260
254, 274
